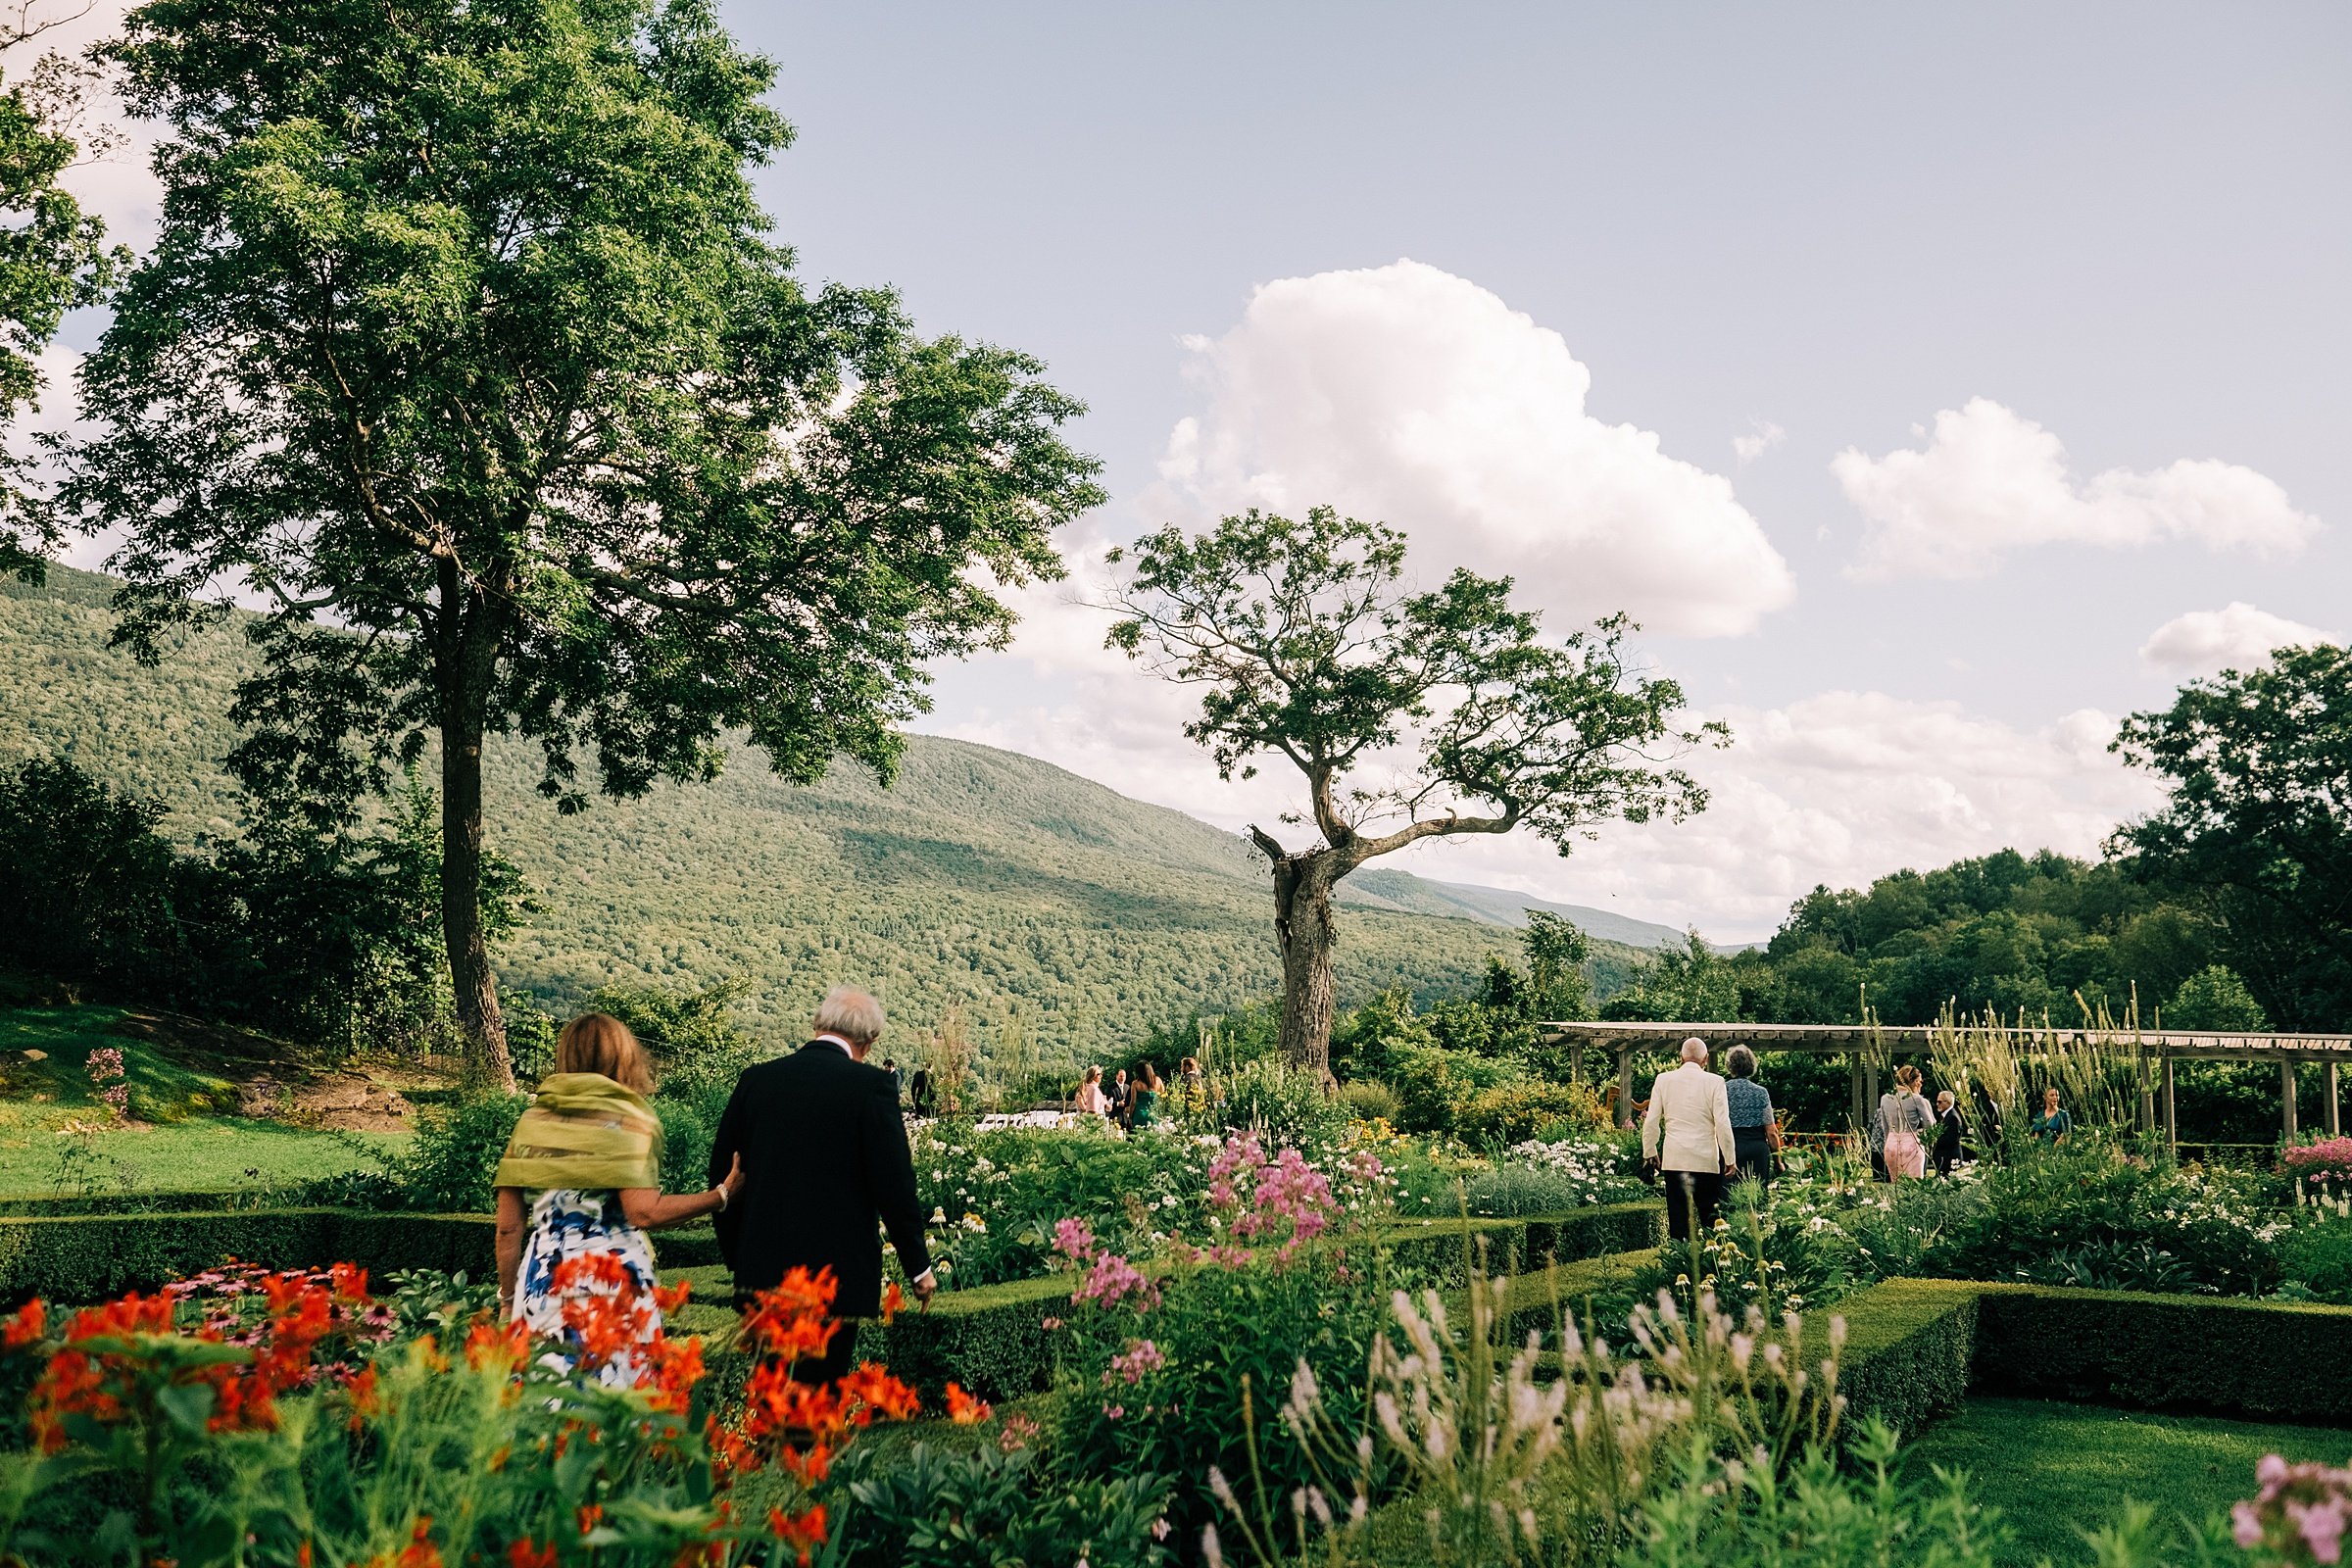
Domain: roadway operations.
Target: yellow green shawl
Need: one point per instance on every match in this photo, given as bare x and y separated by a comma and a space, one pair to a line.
583, 1130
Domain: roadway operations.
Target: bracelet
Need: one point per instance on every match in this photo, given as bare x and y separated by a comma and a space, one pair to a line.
720, 1192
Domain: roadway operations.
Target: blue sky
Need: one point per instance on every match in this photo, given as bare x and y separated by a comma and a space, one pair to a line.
2130, 225
2125, 230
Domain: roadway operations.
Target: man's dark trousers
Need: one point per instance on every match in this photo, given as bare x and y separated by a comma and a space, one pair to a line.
1688, 1190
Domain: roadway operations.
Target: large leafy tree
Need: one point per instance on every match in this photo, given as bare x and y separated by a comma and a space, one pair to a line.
463, 344
2259, 825
52, 254
1408, 715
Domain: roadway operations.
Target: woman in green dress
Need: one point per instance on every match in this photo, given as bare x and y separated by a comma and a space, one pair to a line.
1147, 1099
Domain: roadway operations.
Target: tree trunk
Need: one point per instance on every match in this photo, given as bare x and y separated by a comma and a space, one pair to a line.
465, 666
1302, 885
471, 974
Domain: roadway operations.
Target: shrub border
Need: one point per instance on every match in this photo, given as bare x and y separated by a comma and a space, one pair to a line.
1915, 1349
77, 1258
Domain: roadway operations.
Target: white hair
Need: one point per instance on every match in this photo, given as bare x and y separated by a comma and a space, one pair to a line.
850, 1013
1694, 1049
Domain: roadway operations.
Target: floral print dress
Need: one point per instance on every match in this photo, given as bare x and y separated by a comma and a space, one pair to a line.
568, 1224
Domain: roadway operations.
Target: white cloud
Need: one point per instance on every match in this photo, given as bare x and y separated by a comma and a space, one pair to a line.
1406, 394
1841, 788
1989, 482
2237, 636
1766, 435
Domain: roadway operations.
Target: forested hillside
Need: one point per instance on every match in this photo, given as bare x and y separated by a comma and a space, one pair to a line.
1045, 907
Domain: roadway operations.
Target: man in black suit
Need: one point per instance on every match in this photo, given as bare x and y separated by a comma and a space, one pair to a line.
824, 1156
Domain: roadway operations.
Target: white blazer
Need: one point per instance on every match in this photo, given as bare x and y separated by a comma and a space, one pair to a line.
1688, 1123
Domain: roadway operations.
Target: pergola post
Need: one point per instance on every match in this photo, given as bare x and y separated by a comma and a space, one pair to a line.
1870, 1092
2286, 1097
1625, 1085
2335, 1126
1861, 1112
1576, 1060
2147, 1095
2171, 1121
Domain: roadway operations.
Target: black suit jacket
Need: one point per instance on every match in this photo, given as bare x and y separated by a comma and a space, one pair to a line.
824, 1156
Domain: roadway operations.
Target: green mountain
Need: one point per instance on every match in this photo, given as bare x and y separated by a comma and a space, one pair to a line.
1057, 914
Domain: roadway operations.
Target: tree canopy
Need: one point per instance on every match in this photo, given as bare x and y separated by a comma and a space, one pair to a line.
462, 343
2257, 830
1409, 715
53, 256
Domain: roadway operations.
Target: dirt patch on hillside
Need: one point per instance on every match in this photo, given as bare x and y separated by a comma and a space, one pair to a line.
276, 1081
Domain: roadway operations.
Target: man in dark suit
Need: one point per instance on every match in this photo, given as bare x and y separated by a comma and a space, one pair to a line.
824, 1157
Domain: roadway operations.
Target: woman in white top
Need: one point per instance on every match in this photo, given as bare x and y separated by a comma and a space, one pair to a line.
1091, 1099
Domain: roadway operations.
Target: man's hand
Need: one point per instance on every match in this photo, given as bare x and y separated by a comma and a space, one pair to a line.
926, 1286
1731, 1170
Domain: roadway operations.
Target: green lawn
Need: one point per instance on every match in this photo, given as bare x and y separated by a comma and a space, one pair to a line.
2053, 1468
203, 1154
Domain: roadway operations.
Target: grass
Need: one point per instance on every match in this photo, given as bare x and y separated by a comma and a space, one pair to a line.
49, 1091
202, 1155
2055, 1469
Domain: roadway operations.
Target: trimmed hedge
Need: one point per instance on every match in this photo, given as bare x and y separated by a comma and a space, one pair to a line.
1910, 1349
92, 1258
1436, 1249
2271, 1360
1916, 1347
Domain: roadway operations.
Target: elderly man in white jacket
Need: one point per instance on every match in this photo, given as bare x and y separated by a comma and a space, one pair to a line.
1687, 1133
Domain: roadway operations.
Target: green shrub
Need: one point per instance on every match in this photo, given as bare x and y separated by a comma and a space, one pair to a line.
2319, 1258
1514, 1113
1287, 1107
1369, 1100
456, 1151
984, 1507
1433, 1084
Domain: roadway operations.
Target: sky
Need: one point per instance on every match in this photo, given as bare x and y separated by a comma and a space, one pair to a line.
1934, 385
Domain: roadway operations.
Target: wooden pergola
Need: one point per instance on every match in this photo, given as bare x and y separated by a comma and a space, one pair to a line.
1864, 1047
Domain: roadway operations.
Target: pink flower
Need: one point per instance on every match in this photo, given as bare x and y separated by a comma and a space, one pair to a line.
1130, 1365
1074, 1240
2246, 1526
1113, 1280
2322, 1526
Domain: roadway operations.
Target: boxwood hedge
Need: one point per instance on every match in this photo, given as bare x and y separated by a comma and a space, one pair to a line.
90, 1257
1916, 1347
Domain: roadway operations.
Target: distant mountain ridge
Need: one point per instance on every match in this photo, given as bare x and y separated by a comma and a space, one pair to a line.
1053, 915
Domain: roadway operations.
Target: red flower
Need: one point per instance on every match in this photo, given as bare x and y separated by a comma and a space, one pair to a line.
964, 1410
522, 1554
806, 1531
420, 1552
28, 1323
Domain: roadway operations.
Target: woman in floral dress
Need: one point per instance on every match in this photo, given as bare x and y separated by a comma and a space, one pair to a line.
580, 1185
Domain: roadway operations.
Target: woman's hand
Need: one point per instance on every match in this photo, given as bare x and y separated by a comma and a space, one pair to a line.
732, 1183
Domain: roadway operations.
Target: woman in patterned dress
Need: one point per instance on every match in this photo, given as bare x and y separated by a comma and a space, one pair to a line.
582, 1179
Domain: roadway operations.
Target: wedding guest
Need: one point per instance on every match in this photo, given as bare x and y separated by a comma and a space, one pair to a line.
1142, 1106
1192, 1087
1951, 1132
918, 1091
1687, 1133
2053, 1124
1903, 1114
1120, 1097
583, 1171
1755, 1130
820, 1138
1091, 1099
